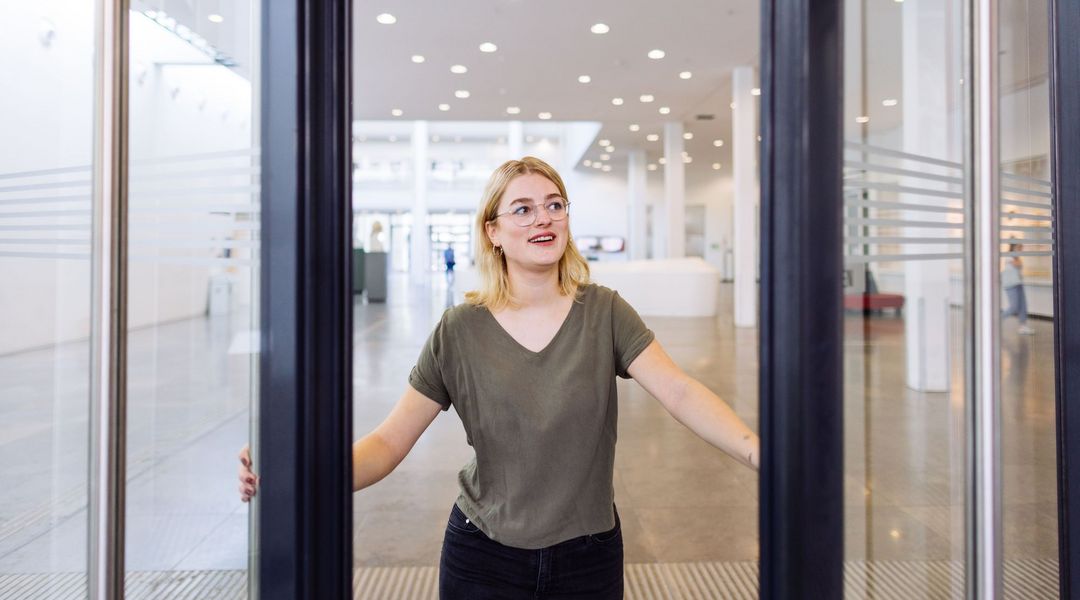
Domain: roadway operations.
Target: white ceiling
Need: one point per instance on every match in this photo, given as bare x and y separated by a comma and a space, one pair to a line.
542, 49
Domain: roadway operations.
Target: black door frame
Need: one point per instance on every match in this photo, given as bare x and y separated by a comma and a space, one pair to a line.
304, 506
801, 335
1065, 172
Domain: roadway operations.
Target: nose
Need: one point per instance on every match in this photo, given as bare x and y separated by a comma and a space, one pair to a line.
542, 216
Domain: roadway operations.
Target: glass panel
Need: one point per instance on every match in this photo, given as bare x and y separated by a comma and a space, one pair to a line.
193, 294
1029, 454
904, 282
45, 156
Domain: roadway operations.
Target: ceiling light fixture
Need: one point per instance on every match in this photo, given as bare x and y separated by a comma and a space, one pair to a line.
716, 166
417, 58
688, 136
544, 116
488, 47
652, 166
656, 54
635, 127
386, 19
444, 107
587, 163
890, 102
605, 142
513, 110
463, 94
646, 98
397, 112
617, 101
605, 157
605, 168
459, 69
652, 137
688, 159
664, 110
863, 119
662, 160
584, 79
609, 148
755, 91
599, 29
215, 18
718, 143
685, 75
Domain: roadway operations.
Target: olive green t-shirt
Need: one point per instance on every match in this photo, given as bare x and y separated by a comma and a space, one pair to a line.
543, 424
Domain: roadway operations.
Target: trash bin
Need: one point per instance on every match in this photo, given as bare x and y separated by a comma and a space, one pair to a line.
358, 270
220, 293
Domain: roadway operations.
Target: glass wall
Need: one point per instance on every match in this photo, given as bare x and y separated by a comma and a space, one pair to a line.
193, 293
45, 156
905, 352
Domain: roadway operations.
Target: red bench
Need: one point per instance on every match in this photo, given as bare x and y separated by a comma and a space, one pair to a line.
869, 302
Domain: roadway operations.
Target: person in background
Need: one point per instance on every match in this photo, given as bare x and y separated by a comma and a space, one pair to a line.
1013, 282
529, 362
448, 258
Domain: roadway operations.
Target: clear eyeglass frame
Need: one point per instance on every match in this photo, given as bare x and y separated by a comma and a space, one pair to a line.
528, 218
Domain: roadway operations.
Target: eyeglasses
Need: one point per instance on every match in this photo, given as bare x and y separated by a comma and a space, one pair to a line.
524, 215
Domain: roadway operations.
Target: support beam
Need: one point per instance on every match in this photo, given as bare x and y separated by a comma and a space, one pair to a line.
744, 151
637, 182
419, 238
674, 191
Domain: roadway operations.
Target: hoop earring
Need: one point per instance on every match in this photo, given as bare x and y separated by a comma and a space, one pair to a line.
498, 250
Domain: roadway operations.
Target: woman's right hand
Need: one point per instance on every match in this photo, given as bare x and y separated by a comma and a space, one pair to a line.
249, 482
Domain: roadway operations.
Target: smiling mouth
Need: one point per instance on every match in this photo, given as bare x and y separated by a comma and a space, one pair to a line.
547, 237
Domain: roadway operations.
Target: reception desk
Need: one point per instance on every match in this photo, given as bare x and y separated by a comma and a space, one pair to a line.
677, 287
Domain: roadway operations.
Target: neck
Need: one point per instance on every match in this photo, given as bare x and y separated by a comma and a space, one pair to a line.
534, 288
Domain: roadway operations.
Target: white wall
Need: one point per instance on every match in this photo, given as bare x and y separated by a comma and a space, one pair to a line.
46, 120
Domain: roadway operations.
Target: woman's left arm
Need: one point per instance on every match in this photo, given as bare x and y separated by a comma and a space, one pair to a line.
694, 405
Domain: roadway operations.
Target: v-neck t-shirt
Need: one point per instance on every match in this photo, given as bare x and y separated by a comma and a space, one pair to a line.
543, 424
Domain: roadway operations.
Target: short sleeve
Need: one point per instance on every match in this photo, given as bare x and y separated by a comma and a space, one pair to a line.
630, 334
426, 377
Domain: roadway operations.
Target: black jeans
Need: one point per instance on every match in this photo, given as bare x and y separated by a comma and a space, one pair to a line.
475, 567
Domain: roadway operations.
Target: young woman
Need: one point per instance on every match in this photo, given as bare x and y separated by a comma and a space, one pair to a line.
529, 364
1013, 281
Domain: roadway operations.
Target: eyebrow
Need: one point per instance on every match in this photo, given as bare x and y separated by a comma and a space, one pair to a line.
548, 197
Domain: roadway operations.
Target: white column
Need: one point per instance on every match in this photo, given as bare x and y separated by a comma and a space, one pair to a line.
420, 239
674, 190
515, 139
637, 183
744, 150
925, 105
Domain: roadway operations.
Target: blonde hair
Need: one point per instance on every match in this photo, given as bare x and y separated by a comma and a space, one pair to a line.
494, 292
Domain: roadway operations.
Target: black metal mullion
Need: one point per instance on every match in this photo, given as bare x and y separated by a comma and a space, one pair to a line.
1065, 171
801, 336
305, 500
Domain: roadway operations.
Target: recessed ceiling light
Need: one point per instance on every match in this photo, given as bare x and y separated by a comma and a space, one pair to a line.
463, 94
616, 101
610, 148
599, 29
215, 18
396, 112
392, 138
656, 54
488, 47
513, 110
652, 166
890, 102
587, 163
544, 116
417, 58
652, 137
530, 139
386, 19
605, 142
662, 160
444, 107
635, 127
597, 165
646, 98
605, 168
664, 110
459, 69
716, 166
759, 138
685, 75
688, 136
732, 105
862, 119
584, 79
718, 143
688, 159
605, 157
755, 92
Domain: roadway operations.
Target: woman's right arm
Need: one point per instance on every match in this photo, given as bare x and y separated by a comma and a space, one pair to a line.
376, 454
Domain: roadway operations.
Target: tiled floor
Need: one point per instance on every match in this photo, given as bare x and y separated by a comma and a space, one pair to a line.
680, 500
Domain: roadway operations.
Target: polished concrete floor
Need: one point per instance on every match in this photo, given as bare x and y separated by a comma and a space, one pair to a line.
680, 500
